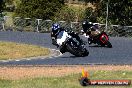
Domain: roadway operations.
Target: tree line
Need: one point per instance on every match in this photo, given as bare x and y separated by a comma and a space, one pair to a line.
120, 11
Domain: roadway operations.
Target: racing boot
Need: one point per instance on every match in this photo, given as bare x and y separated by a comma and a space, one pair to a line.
90, 41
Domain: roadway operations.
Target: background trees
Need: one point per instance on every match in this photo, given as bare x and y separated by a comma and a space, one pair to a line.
120, 11
2, 7
70, 13
44, 9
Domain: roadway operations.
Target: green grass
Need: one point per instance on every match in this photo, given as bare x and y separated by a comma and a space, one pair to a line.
10, 50
70, 81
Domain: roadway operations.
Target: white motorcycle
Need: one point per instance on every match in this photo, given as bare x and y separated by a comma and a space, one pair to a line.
71, 45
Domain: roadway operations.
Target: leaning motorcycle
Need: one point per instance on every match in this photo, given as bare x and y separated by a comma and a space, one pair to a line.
71, 45
102, 39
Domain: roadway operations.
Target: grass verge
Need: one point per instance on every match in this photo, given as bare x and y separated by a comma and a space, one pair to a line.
10, 50
70, 81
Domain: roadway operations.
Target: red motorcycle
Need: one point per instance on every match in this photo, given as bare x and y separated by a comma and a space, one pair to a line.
101, 39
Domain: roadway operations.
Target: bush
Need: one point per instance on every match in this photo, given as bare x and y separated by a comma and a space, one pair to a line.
70, 14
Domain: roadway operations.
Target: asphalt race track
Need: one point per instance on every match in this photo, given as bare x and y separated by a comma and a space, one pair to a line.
121, 53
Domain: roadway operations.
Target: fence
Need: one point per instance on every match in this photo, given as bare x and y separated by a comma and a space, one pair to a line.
39, 25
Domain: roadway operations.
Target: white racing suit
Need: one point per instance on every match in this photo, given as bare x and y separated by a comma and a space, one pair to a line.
61, 37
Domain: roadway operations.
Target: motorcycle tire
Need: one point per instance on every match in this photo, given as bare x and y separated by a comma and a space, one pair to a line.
76, 52
109, 45
84, 52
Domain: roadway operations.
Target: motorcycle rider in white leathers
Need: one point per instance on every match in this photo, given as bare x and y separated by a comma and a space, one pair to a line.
56, 32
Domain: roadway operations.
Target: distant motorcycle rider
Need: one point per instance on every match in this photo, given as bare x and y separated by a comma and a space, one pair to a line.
56, 30
90, 30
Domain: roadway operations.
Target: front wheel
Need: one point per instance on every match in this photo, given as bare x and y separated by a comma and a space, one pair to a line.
78, 51
84, 52
109, 45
